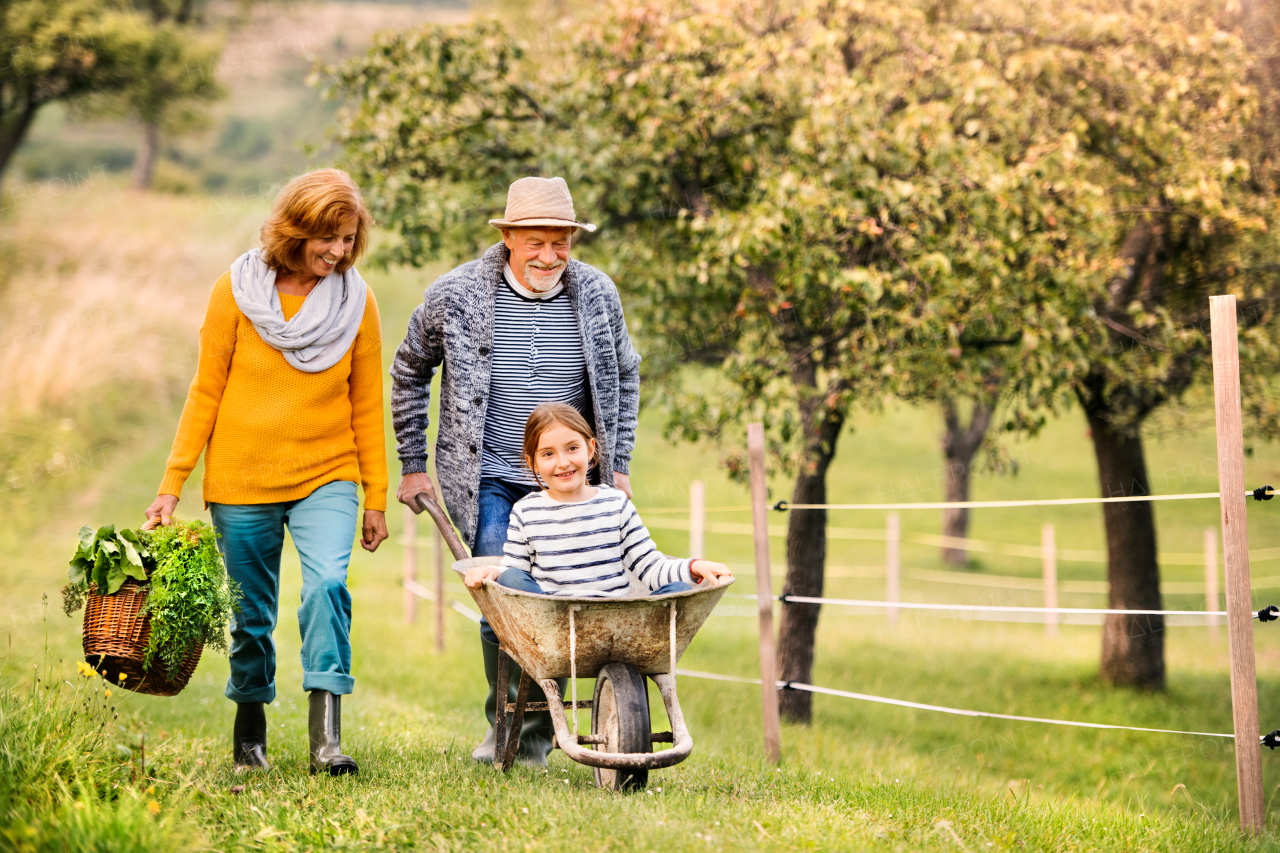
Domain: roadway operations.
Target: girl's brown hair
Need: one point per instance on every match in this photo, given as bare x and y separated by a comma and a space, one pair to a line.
546, 416
314, 205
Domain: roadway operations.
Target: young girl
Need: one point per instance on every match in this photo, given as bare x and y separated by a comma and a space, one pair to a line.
574, 539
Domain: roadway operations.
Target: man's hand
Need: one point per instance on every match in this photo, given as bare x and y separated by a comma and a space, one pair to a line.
622, 482
412, 485
375, 529
162, 508
705, 570
477, 575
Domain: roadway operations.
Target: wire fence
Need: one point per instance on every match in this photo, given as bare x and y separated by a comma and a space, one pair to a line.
942, 709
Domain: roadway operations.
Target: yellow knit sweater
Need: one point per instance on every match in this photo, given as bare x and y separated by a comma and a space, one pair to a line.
269, 431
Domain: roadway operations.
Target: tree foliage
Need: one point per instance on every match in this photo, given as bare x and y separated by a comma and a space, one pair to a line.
832, 200
60, 49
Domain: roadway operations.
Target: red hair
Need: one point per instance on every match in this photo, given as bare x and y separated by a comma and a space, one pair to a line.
314, 205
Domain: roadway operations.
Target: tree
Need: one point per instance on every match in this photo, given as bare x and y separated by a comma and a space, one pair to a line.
1169, 126
166, 95
172, 79
58, 50
831, 203
808, 185
960, 444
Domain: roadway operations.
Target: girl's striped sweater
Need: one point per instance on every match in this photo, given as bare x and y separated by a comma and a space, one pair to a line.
587, 548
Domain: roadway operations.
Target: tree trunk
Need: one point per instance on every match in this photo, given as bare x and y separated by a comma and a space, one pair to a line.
13, 129
806, 560
145, 162
1132, 646
959, 446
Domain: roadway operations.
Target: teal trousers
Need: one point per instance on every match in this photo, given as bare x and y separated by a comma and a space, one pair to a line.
251, 537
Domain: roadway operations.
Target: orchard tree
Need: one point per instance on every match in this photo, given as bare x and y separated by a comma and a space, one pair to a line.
1168, 124
57, 50
807, 194
173, 78
831, 202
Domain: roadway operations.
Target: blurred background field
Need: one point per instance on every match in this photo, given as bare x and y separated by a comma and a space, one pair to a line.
99, 310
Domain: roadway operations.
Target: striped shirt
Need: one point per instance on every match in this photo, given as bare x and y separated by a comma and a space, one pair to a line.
537, 358
587, 548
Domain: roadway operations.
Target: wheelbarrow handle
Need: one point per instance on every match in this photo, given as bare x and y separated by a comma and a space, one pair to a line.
422, 501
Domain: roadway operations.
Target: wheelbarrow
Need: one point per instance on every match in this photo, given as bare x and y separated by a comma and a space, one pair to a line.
616, 641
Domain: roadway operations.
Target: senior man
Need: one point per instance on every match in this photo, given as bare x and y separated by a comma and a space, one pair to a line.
523, 325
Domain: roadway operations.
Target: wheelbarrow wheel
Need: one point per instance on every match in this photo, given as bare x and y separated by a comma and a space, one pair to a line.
620, 713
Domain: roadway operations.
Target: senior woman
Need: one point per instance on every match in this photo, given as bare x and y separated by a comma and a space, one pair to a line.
286, 405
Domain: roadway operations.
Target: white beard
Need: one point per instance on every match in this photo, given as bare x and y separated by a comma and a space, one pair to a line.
540, 281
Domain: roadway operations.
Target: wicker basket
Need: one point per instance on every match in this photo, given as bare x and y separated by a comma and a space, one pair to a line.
115, 643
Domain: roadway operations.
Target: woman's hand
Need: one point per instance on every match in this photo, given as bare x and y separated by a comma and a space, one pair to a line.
162, 508
477, 575
705, 570
375, 529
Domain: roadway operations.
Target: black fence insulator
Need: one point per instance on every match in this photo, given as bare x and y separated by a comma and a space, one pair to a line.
1263, 493
781, 506
785, 598
1269, 614
1272, 740
788, 686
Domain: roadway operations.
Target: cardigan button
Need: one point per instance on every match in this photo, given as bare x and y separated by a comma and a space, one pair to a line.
473, 448
477, 401
484, 350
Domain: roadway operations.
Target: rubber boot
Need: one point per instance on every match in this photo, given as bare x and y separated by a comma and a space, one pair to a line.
537, 732
249, 737
324, 723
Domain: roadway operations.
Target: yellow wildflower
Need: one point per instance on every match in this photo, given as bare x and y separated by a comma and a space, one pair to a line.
153, 807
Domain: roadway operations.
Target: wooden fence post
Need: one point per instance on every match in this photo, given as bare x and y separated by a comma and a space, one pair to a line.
438, 541
697, 497
1211, 578
410, 544
892, 568
764, 592
1049, 556
1235, 553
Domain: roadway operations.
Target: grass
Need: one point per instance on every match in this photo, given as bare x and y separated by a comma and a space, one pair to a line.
862, 776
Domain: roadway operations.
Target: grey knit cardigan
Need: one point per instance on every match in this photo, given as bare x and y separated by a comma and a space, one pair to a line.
454, 326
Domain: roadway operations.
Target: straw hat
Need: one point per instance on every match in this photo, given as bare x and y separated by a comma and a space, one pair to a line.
539, 203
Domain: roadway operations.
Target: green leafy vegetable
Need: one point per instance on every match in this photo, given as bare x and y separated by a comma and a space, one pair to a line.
103, 561
191, 597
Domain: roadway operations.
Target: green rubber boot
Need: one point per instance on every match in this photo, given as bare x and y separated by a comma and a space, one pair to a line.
537, 732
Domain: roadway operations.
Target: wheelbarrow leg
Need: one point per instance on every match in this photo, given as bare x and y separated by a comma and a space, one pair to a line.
500, 718
516, 723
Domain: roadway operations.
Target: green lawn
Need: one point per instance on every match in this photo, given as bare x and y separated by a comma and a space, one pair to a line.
863, 776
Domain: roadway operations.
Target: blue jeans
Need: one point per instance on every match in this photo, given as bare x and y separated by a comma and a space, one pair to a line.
497, 497
251, 537
521, 580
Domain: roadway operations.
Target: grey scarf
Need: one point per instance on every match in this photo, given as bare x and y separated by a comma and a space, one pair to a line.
322, 331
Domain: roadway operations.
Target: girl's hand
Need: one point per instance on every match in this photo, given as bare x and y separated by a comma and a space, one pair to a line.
705, 570
375, 529
477, 575
162, 508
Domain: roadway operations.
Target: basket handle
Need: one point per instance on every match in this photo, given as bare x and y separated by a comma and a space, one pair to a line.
152, 524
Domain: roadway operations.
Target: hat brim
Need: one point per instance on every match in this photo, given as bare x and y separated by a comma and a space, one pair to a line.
541, 223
